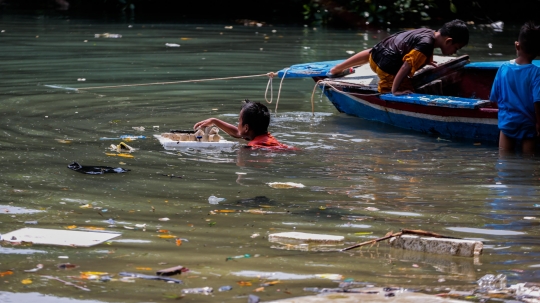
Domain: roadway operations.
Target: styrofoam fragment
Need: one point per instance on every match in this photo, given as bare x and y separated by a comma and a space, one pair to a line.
299, 237
443, 246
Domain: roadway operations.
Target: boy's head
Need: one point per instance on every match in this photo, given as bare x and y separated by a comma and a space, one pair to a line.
254, 119
455, 34
529, 39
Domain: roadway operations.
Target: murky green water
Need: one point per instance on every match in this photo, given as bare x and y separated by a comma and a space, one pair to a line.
362, 179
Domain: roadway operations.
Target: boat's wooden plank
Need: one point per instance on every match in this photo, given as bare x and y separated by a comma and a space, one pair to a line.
434, 100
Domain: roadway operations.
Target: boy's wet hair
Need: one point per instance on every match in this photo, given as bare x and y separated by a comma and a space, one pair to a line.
529, 39
256, 115
457, 30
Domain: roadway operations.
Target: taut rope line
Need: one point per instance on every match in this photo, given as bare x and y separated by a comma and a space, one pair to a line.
173, 82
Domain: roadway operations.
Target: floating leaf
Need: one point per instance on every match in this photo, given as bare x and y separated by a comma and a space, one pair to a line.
63, 141
143, 268
26, 281
71, 227
126, 155
178, 242
5, 273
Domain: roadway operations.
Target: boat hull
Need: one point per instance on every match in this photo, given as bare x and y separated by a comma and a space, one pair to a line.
478, 124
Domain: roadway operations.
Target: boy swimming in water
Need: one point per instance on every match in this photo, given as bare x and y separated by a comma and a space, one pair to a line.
253, 124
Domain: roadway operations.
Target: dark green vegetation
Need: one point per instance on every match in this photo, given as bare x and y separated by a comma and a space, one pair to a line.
333, 13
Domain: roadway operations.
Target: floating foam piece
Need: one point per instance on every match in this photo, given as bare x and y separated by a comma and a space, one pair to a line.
306, 238
443, 246
58, 237
170, 144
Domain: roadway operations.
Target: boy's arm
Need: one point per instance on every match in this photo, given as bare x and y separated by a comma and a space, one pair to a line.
358, 59
402, 73
230, 129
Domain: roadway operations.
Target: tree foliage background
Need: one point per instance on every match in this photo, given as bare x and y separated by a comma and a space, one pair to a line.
331, 13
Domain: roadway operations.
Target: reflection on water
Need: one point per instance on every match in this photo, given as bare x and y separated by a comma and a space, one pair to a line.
362, 179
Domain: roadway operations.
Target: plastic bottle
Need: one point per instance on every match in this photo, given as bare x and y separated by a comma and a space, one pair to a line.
313, 289
225, 288
199, 290
238, 257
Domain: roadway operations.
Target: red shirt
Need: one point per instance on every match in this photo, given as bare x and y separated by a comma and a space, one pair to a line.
267, 141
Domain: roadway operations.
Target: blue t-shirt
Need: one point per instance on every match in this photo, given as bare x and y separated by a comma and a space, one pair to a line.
516, 88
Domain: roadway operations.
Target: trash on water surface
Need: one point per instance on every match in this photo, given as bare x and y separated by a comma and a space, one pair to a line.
172, 45
107, 35
490, 281
176, 270
58, 237
122, 148
96, 170
38, 267
253, 299
225, 288
215, 200
139, 128
199, 290
238, 257
300, 237
285, 185
150, 277
124, 137
66, 266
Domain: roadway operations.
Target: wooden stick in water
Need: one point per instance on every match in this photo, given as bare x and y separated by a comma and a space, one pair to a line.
402, 232
388, 236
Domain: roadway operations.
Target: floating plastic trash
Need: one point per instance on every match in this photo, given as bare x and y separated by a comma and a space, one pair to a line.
207, 138
490, 281
200, 290
149, 277
58, 237
285, 185
107, 35
238, 257
215, 200
176, 270
299, 237
96, 170
122, 148
225, 288
172, 45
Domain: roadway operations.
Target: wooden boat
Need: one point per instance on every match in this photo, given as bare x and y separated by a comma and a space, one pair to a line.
450, 100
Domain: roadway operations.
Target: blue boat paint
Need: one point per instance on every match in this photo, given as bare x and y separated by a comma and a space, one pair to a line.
444, 126
434, 100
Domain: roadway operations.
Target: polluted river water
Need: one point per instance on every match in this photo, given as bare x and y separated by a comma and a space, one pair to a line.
361, 179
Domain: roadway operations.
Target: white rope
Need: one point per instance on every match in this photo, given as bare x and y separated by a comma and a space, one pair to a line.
271, 76
174, 82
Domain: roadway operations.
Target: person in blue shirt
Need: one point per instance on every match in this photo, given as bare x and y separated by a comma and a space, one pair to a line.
516, 90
